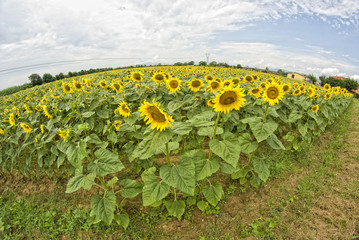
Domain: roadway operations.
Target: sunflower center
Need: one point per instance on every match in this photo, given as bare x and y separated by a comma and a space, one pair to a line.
285, 88
209, 78
125, 108
174, 84
196, 83
214, 85
117, 86
228, 98
156, 114
67, 87
78, 86
272, 92
137, 76
159, 77
255, 91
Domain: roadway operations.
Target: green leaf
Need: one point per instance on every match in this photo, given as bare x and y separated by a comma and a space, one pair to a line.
107, 162
202, 205
241, 173
227, 150
255, 181
133, 118
247, 144
209, 131
131, 188
123, 220
173, 106
175, 208
75, 154
93, 138
275, 143
303, 128
205, 167
181, 176
262, 131
261, 167
80, 181
203, 119
112, 182
171, 147
213, 194
181, 128
112, 137
294, 116
153, 190
87, 114
104, 113
104, 207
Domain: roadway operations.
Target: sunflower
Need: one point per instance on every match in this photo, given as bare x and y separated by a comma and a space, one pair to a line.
229, 99
248, 79
42, 128
173, 84
315, 108
159, 78
26, 127
214, 86
77, 85
123, 109
327, 87
2, 131
227, 83
47, 114
116, 86
208, 78
327, 96
64, 134
117, 125
236, 81
103, 84
296, 92
273, 93
137, 76
155, 116
12, 119
211, 102
67, 88
286, 87
255, 92
263, 85
316, 96
195, 84
310, 92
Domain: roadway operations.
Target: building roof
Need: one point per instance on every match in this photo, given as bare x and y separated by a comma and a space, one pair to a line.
338, 77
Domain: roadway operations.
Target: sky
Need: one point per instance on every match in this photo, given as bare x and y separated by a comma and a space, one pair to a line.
318, 37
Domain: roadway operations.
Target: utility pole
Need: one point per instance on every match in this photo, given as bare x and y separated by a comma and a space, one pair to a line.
207, 57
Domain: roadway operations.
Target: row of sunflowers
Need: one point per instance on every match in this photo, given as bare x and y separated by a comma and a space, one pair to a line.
162, 133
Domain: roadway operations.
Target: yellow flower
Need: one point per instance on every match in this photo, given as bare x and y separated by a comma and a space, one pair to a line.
26, 127
214, 86
327, 96
12, 119
208, 78
117, 125
327, 87
211, 102
64, 134
255, 92
67, 88
16, 111
195, 84
286, 87
297, 92
117, 87
42, 128
310, 92
136, 76
315, 108
47, 114
173, 85
229, 99
316, 96
273, 93
159, 78
248, 79
2, 131
123, 109
103, 84
77, 85
36, 140
28, 110
155, 116
227, 83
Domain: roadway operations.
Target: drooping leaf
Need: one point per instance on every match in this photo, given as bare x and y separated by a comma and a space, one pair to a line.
175, 208
123, 220
206, 167
104, 207
275, 143
153, 191
131, 188
227, 150
262, 131
213, 194
107, 162
80, 181
247, 144
261, 167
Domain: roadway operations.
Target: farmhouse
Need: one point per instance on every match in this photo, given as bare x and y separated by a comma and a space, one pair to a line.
296, 76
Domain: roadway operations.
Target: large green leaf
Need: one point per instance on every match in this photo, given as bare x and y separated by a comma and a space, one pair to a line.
87, 114
203, 119
104, 207
181, 176
294, 116
262, 131
131, 188
247, 144
303, 128
228, 151
76, 153
209, 131
213, 194
261, 167
123, 220
80, 181
206, 167
107, 162
153, 190
181, 128
274, 142
175, 208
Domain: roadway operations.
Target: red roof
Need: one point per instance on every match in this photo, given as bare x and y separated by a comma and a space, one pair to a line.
339, 78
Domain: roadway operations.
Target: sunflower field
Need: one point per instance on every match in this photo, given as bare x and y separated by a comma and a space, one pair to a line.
165, 135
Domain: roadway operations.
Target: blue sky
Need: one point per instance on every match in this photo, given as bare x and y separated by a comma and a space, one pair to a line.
311, 37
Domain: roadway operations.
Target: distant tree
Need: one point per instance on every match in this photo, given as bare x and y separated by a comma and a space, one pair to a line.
35, 79
322, 78
281, 72
61, 76
191, 63
223, 64
350, 84
202, 63
47, 77
213, 64
312, 78
239, 66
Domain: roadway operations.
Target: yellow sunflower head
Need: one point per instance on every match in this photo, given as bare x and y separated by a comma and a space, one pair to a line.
316, 96
315, 108
195, 84
211, 102
67, 88
296, 92
116, 86
286, 87
214, 86
123, 109
173, 85
64, 134
327, 96
137, 76
26, 127
159, 78
229, 99
256, 92
327, 87
262, 85
42, 128
310, 92
269, 80
12, 119
208, 78
77, 85
103, 84
248, 79
227, 83
155, 116
2, 131
236, 81
117, 125
273, 93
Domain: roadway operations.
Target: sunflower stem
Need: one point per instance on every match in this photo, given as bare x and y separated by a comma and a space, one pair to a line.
214, 134
174, 193
179, 110
168, 155
265, 115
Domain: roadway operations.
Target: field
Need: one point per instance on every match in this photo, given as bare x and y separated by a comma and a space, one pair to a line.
178, 151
